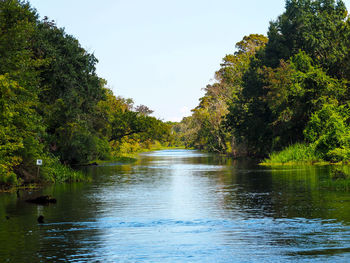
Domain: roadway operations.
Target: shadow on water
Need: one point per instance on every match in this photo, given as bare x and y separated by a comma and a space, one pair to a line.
317, 252
182, 206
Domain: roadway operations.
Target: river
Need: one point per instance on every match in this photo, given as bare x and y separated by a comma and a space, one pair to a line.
181, 206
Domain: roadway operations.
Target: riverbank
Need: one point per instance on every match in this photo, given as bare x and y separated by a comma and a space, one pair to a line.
54, 172
59, 174
304, 154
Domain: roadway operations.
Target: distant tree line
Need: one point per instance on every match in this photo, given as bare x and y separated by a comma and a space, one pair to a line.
53, 105
291, 87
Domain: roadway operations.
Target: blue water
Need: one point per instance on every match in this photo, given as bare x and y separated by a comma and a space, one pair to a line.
182, 206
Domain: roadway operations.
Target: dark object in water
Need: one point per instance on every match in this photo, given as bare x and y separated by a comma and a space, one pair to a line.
41, 219
42, 200
7, 217
89, 164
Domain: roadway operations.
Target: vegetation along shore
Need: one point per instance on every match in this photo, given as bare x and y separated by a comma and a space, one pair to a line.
54, 107
283, 98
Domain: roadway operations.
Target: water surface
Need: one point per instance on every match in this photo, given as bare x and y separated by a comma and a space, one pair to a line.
182, 206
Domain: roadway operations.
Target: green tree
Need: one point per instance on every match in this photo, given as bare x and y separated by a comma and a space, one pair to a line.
71, 91
206, 129
248, 113
329, 131
20, 129
293, 76
295, 90
317, 27
17, 30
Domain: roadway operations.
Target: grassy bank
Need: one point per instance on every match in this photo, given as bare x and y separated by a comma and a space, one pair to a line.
52, 171
301, 153
295, 154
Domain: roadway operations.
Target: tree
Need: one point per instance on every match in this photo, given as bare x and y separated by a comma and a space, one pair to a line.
20, 129
71, 91
53, 105
126, 123
316, 27
293, 76
248, 113
329, 131
295, 90
143, 110
17, 30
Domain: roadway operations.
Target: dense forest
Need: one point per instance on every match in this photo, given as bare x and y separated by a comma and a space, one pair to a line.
287, 93
55, 107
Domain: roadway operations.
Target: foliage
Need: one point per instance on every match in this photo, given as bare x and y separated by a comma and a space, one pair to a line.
329, 131
20, 125
295, 153
294, 90
288, 91
143, 109
71, 89
19, 130
17, 29
208, 127
54, 171
316, 27
55, 107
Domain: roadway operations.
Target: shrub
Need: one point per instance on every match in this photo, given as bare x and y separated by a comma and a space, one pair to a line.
329, 131
295, 153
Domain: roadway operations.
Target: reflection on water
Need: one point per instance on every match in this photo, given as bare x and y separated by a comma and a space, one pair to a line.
182, 206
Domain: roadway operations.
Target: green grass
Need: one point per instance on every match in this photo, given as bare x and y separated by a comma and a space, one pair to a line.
295, 154
56, 172
52, 171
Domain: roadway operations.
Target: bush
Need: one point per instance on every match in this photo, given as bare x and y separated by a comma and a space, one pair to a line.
329, 131
8, 179
54, 171
338, 154
295, 153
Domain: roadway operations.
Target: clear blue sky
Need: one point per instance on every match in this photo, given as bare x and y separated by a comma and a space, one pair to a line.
161, 53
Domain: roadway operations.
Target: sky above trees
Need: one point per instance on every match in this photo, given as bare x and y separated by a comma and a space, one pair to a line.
161, 53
